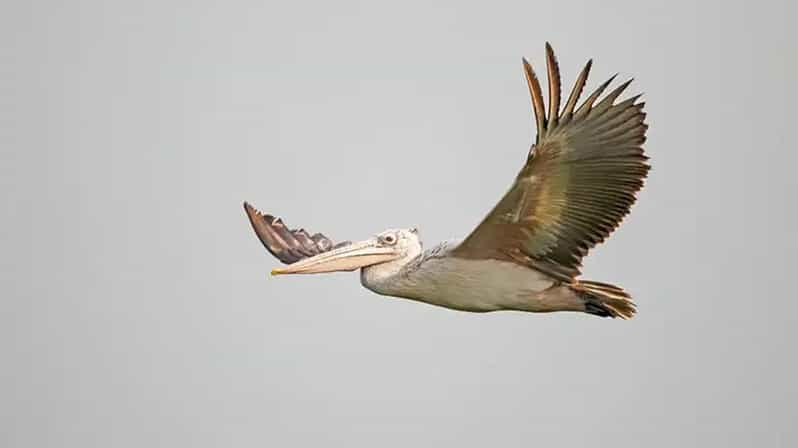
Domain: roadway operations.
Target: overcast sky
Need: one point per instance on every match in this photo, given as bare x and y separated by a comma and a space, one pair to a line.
135, 304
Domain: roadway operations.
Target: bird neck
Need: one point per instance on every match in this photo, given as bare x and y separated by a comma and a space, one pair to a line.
383, 278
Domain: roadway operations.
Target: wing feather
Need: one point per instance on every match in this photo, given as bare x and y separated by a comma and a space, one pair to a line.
554, 86
287, 245
576, 91
537, 97
579, 181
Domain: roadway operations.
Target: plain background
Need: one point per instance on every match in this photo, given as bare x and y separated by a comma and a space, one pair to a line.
136, 308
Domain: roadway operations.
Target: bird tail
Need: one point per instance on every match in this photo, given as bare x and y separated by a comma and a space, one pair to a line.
604, 300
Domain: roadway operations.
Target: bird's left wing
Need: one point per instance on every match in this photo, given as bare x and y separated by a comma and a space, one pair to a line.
287, 245
579, 181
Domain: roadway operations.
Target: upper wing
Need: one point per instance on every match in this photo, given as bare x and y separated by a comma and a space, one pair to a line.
579, 181
287, 245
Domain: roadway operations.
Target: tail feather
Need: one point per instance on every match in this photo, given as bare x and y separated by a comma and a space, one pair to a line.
605, 300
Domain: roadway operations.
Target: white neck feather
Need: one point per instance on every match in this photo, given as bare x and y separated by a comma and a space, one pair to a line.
381, 277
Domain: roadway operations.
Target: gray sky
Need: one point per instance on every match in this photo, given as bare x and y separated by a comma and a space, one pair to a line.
136, 308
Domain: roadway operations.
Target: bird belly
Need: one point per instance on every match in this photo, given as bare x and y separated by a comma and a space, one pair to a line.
474, 285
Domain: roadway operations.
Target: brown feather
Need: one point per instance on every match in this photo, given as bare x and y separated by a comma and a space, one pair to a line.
288, 246
554, 87
588, 104
576, 91
577, 185
537, 97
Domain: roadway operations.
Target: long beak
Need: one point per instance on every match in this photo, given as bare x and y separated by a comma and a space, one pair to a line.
346, 258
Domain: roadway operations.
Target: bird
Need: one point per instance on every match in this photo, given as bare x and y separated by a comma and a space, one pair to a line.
581, 176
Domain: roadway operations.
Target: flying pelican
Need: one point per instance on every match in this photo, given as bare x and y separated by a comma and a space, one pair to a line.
580, 179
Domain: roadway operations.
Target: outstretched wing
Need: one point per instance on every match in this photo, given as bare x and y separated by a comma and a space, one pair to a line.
579, 181
287, 245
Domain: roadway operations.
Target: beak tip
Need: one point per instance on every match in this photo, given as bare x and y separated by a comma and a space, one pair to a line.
275, 271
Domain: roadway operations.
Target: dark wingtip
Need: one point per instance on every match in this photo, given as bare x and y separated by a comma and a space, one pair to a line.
255, 218
259, 225
252, 212
285, 244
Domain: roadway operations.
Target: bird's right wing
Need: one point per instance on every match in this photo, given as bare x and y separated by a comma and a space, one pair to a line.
579, 181
287, 245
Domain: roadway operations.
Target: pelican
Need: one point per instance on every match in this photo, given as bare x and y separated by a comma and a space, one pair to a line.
579, 181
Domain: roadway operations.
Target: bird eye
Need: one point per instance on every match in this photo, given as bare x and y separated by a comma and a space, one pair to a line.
389, 239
